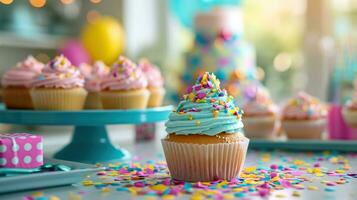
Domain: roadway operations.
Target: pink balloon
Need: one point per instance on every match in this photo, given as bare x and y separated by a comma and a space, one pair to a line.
75, 52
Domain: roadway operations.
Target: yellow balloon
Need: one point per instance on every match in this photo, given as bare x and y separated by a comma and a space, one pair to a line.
104, 39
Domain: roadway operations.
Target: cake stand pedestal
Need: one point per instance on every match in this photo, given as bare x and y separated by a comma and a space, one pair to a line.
90, 142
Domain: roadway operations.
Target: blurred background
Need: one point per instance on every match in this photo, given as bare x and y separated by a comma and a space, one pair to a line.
286, 45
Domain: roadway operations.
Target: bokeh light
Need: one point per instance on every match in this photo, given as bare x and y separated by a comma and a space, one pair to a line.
38, 3
282, 62
6, 2
260, 73
95, 1
92, 15
67, 1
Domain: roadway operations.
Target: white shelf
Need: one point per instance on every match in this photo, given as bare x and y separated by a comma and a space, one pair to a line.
40, 41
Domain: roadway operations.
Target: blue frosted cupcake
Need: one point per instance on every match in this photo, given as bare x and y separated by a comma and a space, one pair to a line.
205, 140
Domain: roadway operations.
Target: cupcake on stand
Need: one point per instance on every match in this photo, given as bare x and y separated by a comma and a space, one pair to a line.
18, 81
94, 76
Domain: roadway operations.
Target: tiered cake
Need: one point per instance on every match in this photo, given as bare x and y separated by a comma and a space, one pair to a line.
219, 48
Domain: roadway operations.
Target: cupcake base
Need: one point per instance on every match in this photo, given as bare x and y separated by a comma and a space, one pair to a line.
17, 98
93, 101
120, 99
205, 162
304, 129
156, 97
58, 99
350, 117
259, 126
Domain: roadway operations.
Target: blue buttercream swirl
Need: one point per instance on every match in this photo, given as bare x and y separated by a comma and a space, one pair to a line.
206, 109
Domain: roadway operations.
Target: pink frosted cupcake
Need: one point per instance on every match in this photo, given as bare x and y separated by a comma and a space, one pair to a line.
155, 82
304, 117
94, 76
349, 112
17, 83
260, 115
59, 87
125, 87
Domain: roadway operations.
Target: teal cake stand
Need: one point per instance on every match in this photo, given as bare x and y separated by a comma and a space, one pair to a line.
90, 142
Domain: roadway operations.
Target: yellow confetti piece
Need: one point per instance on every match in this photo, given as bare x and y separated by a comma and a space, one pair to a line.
340, 171
347, 167
168, 197
190, 117
298, 162
159, 187
197, 197
72, 196
341, 181
237, 189
105, 189
296, 194
312, 187
87, 183
228, 196
319, 174
215, 114
250, 169
53, 198
198, 123
37, 194
280, 196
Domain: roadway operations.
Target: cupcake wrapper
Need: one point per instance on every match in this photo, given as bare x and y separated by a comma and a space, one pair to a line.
58, 99
156, 97
17, 98
131, 99
93, 101
350, 117
259, 127
205, 162
304, 129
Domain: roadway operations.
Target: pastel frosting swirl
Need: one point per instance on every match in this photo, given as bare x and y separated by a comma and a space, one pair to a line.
59, 73
124, 75
259, 103
152, 73
304, 106
206, 109
23, 74
95, 76
352, 103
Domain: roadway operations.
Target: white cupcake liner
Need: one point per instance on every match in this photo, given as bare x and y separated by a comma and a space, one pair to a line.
304, 129
350, 117
260, 126
205, 162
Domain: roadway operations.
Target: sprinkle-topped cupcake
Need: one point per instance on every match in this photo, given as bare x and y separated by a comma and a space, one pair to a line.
349, 110
304, 117
206, 124
59, 86
94, 76
259, 104
99, 71
304, 107
59, 73
155, 82
205, 109
260, 114
17, 82
125, 86
23, 74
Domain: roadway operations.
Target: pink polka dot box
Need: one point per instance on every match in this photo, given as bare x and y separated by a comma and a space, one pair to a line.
21, 150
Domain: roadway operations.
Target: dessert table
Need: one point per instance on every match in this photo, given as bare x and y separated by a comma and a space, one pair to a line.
319, 185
